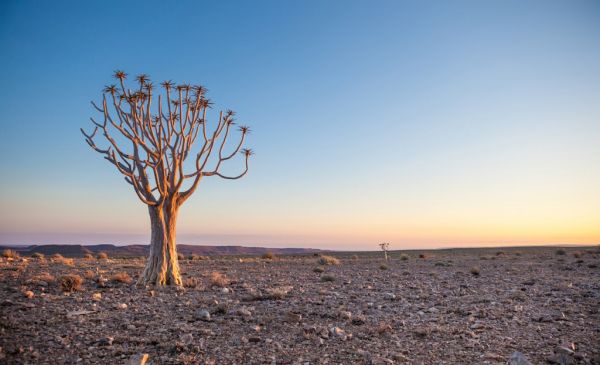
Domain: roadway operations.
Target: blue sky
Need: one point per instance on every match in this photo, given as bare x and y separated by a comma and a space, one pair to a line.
426, 124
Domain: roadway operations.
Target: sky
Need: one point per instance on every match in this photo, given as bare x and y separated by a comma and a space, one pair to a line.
425, 124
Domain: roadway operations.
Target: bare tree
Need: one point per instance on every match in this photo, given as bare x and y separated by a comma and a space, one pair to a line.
148, 136
385, 246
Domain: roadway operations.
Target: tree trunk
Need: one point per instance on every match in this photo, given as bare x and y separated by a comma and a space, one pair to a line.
162, 267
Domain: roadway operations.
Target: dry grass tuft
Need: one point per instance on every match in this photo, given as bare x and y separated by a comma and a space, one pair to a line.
89, 275
319, 269
44, 276
122, 277
218, 279
383, 267
102, 256
268, 255
328, 260
70, 282
278, 293
38, 255
10, 254
404, 257
191, 283
195, 257
60, 259
88, 256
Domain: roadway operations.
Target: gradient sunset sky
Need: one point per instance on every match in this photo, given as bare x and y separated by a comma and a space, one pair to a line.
422, 123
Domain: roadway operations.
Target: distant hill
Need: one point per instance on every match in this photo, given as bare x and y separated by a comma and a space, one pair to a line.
142, 250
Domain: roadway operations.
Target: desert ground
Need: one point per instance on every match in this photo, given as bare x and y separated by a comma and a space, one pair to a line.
463, 306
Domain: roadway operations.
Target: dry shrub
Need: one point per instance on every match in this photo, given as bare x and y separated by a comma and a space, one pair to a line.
70, 282
474, 271
89, 275
88, 256
404, 257
268, 255
218, 279
122, 277
319, 269
191, 283
561, 252
102, 256
38, 255
577, 254
328, 260
180, 256
44, 276
278, 293
383, 328
327, 278
195, 257
10, 254
500, 253
383, 267
422, 256
60, 259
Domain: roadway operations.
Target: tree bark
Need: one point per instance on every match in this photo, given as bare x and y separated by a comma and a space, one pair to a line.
162, 267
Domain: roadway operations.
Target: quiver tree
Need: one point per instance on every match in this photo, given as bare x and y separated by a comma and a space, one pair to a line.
385, 246
148, 137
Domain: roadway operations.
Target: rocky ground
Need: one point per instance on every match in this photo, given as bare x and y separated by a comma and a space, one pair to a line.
450, 307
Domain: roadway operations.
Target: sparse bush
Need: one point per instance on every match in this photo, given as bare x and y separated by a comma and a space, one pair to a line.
319, 269
195, 257
45, 277
10, 254
474, 271
278, 293
518, 253
500, 253
404, 257
70, 282
383, 267
561, 252
354, 257
60, 259
180, 256
218, 279
422, 256
89, 275
102, 256
328, 260
268, 255
88, 256
577, 254
38, 255
122, 277
327, 278
191, 283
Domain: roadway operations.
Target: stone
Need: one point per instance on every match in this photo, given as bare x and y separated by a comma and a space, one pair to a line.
28, 294
122, 306
517, 358
345, 314
107, 341
389, 296
203, 315
97, 297
138, 359
244, 312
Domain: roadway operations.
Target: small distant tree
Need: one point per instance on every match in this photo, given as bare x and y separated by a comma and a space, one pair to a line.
148, 136
385, 246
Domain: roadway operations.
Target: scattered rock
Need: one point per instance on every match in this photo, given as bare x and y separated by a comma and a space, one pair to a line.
517, 358
121, 306
28, 294
203, 315
138, 359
